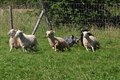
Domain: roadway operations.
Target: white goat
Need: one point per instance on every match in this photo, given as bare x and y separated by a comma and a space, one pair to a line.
26, 41
89, 41
56, 43
13, 42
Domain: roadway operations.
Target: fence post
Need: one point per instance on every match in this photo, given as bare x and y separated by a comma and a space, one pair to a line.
38, 22
45, 13
11, 17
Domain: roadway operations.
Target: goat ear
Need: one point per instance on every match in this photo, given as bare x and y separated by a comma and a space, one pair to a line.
52, 31
21, 31
46, 31
18, 30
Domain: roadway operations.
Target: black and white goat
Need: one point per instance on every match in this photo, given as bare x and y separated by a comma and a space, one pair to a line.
89, 41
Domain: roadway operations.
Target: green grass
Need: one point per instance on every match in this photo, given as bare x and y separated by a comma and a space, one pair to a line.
45, 64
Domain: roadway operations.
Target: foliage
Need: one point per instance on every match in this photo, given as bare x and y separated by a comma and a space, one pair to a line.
8, 2
17, 2
80, 13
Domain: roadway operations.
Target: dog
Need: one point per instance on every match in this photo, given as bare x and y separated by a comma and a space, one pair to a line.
71, 40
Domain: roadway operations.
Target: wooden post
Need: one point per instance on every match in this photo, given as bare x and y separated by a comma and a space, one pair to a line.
45, 13
40, 17
11, 18
38, 22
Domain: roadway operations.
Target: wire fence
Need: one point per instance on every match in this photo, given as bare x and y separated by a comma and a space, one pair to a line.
100, 15
88, 14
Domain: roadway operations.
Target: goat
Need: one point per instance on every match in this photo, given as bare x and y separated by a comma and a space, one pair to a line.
13, 41
26, 41
57, 43
89, 41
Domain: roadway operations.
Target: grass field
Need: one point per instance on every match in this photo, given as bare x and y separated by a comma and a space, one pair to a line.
45, 64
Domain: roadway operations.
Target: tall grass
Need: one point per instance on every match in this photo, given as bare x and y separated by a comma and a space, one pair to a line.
45, 64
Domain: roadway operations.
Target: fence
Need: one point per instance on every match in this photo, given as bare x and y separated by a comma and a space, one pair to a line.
99, 15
